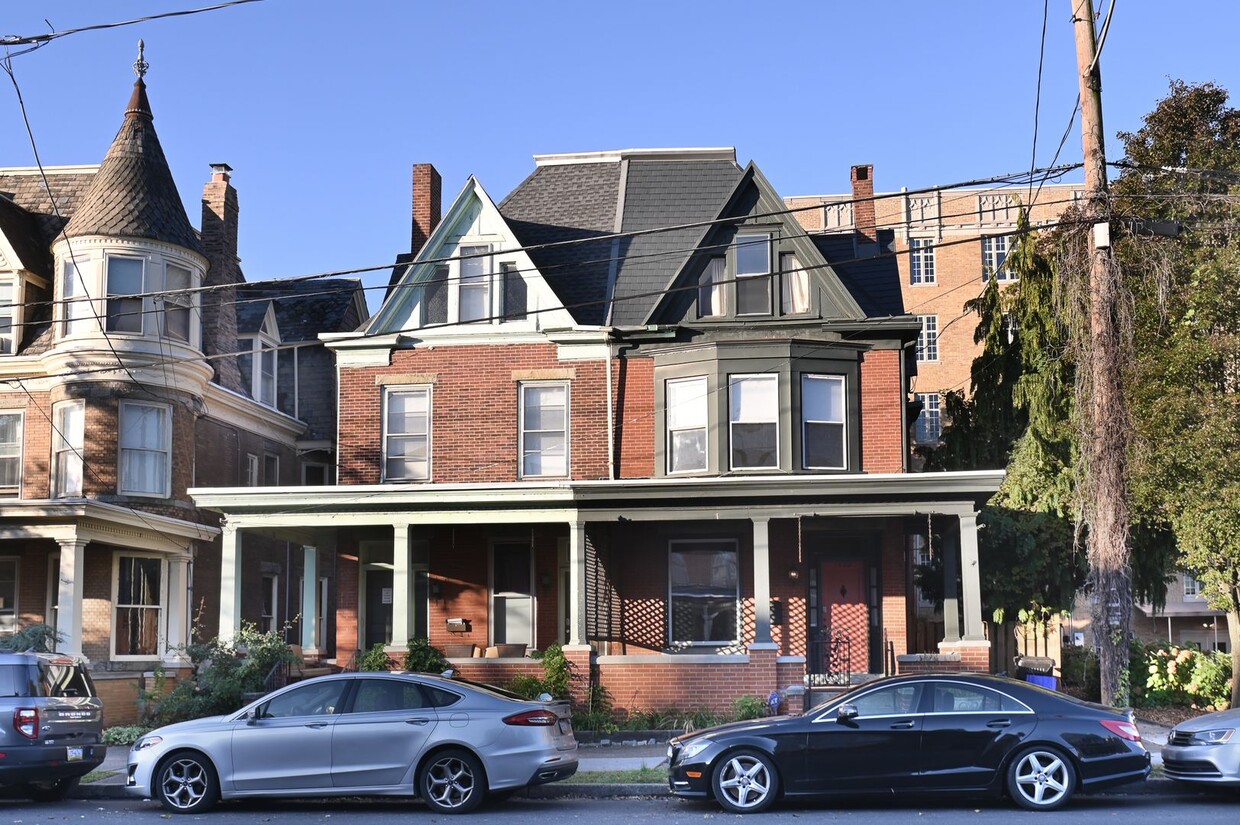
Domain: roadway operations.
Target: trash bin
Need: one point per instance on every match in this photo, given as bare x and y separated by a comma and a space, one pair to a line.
1037, 670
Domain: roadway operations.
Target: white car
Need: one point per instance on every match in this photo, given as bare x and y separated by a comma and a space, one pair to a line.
1205, 750
392, 734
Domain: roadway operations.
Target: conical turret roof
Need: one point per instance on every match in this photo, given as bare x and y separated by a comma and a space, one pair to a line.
133, 194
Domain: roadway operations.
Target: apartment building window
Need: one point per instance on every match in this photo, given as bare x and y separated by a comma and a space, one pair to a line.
9, 318
10, 454
76, 307
69, 423
994, 258
475, 284
125, 287
703, 592
794, 285
271, 598
145, 449
753, 270
921, 261
407, 434
929, 425
138, 605
822, 422
514, 293
251, 470
271, 470
544, 430
711, 289
8, 595
177, 302
1192, 588
313, 474
686, 424
928, 338
753, 424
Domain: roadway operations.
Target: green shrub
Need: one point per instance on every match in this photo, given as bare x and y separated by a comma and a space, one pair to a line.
36, 636
1186, 677
423, 657
748, 707
528, 686
375, 659
558, 675
124, 734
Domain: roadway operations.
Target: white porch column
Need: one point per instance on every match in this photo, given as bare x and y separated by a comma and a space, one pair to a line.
762, 581
69, 595
178, 607
970, 579
310, 599
230, 581
577, 583
951, 594
400, 585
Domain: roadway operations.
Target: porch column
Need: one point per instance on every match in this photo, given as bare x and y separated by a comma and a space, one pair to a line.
971, 579
69, 594
230, 581
577, 583
951, 591
762, 581
310, 599
400, 585
178, 608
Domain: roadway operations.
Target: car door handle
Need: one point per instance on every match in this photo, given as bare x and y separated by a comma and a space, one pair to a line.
316, 724
905, 725
999, 723
416, 721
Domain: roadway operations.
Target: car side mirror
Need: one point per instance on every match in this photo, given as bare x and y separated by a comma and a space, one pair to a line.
846, 711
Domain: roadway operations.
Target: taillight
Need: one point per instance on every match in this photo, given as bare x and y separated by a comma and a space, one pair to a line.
534, 718
1123, 729
26, 722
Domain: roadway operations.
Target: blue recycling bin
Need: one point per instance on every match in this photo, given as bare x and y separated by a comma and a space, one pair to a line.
1048, 682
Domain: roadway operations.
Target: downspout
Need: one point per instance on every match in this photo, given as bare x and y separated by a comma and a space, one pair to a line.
296, 383
611, 416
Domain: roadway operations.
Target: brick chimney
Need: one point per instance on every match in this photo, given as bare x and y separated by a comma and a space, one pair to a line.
219, 306
427, 205
863, 205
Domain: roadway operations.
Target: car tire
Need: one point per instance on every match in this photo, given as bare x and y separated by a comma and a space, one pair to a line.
53, 791
1041, 778
186, 783
452, 782
745, 782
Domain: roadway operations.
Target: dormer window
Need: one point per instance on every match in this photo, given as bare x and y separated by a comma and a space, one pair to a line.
257, 360
711, 289
475, 284
794, 282
9, 318
753, 268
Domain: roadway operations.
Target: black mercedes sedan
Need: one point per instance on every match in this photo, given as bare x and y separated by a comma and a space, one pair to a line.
966, 734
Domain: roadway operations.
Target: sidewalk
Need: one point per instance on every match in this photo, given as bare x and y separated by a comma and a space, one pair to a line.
614, 757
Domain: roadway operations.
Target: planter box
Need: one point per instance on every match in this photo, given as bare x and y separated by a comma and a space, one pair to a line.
460, 651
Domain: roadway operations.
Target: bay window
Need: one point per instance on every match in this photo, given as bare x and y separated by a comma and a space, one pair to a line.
686, 424
407, 434
145, 435
125, 287
177, 302
543, 430
75, 301
822, 422
137, 606
703, 592
753, 402
69, 430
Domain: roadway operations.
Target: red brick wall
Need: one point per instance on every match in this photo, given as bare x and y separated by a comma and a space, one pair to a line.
882, 402
895, 597
635, 417
347, 638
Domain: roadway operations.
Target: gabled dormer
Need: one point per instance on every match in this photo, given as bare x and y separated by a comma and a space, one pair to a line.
258, 345
470, 279
23, 275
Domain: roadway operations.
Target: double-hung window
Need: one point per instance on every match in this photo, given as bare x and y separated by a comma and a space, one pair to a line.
10, 454
10, 315
76, 304
407, 434
921, 261
515, 293
271, 470
1192, 588
928, 338
994, 257
686, 424
929, 424
544, 430
68, 436
145, 449
703, 592
125, 301
822, 422
475, 284
794, 281
712, 288
178, 301
753, 436
753, 271
138, 605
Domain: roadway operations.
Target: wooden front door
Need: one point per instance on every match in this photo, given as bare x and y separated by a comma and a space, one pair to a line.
845, 614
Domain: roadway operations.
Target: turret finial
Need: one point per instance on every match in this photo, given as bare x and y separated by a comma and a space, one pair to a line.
141, 65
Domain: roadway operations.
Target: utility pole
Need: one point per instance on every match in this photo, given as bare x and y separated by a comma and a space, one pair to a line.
1105, 434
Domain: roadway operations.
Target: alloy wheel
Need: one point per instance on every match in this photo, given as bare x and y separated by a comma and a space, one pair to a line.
450, 782
745, 781
1042, 779
184, 783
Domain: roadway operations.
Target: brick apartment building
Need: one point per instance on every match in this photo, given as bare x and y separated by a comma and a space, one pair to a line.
680, 453
122, 386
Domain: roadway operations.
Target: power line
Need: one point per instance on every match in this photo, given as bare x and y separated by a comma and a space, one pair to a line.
42, 39
1037, 99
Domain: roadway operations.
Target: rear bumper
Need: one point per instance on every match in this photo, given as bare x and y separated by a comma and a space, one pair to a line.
48, 762
553, 773
1115, 770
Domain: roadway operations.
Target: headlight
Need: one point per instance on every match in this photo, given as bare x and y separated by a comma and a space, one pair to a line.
1212, 737
147, 742
693, 749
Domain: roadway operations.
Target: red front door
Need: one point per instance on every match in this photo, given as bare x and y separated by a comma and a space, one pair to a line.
844, 613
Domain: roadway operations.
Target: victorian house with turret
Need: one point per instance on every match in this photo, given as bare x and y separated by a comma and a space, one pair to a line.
136, 363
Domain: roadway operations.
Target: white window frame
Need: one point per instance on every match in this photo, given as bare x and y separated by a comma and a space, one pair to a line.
145, 303
733, 382
179, 301
521, 430
1192, 588
162, 607
271, 470
842, 422
76, 307
267, 622
16, 490
792, 272
496, 599
73, 452
990, 259
260, 345
718, 544
931, 418
165, 449
702, 401
251, 470
921, 262
767, 242
928, 339
408, 389
321, 614
10, 615
11, 309
482, 256
52, 613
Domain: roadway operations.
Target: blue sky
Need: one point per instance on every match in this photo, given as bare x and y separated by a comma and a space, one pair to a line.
321, 106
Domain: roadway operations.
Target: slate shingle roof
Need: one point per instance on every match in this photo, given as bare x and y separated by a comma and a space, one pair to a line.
27, 190
23, 233
303, 308
133, 194
873, 282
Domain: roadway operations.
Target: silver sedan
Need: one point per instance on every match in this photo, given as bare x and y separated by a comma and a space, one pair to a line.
391, 734
1205, 750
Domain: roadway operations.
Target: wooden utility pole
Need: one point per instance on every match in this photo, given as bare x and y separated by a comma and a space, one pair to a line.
1104, 443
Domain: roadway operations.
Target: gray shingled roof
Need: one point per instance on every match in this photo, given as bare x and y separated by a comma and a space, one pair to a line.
571, 202
23, 233
303, 308
873, 282
51, 204
133, 194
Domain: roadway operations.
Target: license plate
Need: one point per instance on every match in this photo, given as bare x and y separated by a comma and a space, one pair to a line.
566, 726
73, 755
